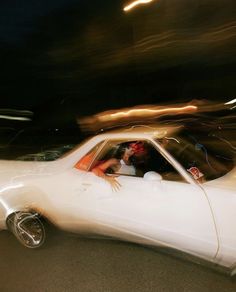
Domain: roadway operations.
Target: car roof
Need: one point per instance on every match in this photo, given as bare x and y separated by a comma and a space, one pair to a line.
141, 131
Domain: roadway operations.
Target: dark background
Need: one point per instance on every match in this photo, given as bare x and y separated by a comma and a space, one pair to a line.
65, 59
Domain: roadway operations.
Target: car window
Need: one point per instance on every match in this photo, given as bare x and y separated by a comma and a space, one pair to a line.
112, 151
200, 156
158, 163
142, 158
85, 162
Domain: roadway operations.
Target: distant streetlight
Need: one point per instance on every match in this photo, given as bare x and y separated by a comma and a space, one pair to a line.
135, 3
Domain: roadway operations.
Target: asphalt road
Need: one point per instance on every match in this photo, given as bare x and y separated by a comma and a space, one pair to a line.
70, 263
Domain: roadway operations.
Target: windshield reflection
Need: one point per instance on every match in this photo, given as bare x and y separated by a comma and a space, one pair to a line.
205, 158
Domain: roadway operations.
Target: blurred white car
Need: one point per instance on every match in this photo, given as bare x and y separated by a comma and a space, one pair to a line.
182, 196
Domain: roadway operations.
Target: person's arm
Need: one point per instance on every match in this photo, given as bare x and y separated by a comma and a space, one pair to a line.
101, 169
109, 163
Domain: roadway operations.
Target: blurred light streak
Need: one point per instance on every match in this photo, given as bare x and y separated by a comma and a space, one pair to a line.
172, 138
11, 187
200, 113
136, 115
135, 3
226, 141
14, 118
145, 112
9, 111
231, 101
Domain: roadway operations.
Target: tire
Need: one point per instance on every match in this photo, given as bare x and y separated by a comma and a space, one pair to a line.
27, 228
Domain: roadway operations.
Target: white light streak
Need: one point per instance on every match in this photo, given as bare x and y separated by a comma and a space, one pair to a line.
172, 138
135, 3
11, 187
231, 101
14, 118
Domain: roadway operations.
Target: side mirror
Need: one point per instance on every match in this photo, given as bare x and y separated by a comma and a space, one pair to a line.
152, 176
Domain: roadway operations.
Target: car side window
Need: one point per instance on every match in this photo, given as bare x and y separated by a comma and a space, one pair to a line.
199, 156
115, 158
134, 158
85, 162
155, 161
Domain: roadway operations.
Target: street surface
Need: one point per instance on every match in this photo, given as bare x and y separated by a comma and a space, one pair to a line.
71, 263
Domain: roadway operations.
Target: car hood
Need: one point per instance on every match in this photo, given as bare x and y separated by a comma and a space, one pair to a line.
226, 181
24, 167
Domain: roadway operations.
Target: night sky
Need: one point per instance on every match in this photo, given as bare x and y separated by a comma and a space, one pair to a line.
63, 59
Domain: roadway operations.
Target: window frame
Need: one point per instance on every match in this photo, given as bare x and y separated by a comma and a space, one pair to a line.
161, 151
179, 168
103, 142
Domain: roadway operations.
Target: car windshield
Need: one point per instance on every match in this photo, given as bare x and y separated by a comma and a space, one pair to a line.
201, 155
49, 154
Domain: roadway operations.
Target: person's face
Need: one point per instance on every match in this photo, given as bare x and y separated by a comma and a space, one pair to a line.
128, 153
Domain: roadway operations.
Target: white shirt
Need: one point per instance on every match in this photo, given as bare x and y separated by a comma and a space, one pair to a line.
126, 169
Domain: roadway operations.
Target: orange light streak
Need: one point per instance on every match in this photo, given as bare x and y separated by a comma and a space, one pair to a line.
145, 112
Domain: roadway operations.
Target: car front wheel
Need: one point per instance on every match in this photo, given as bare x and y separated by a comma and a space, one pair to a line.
27, 227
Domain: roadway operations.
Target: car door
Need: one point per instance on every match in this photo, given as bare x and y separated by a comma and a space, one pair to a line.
169, 211
175, 214
165, 210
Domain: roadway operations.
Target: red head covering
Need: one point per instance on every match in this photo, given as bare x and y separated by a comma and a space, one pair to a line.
137, 148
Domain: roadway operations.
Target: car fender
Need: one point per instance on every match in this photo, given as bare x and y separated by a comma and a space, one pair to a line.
19, 197
223, 205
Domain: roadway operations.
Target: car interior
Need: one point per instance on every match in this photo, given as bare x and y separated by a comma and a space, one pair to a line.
145, 158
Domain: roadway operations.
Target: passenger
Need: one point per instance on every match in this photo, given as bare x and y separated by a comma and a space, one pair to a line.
122, 165
125, 165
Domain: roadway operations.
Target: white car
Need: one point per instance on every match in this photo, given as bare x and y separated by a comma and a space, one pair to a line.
182, 195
